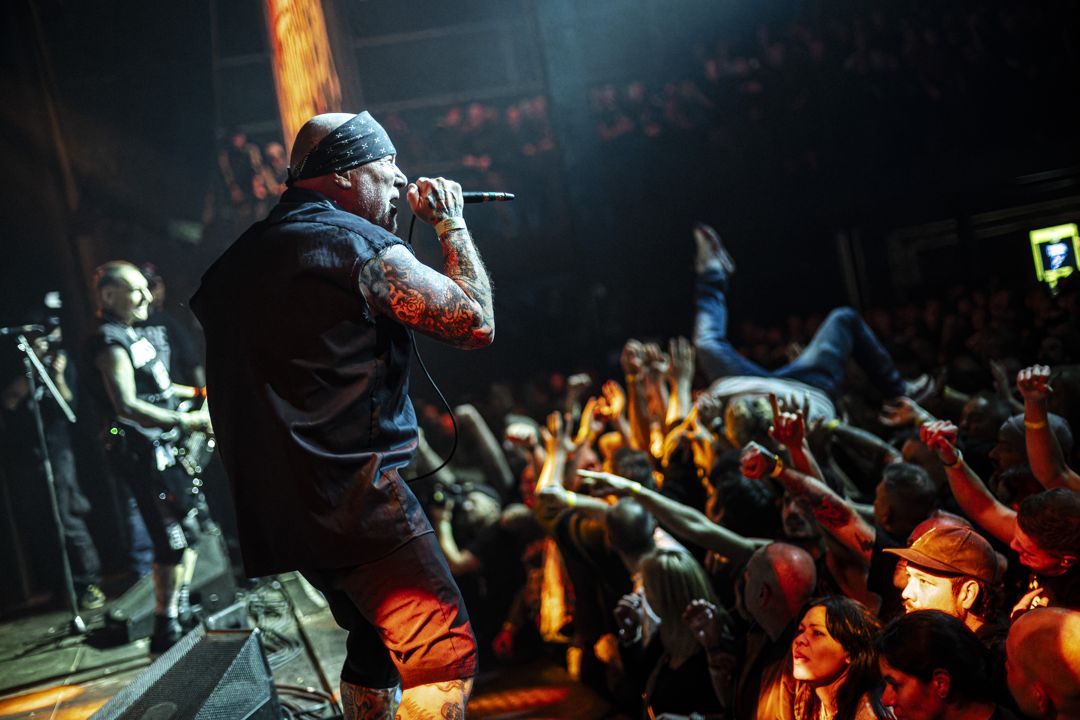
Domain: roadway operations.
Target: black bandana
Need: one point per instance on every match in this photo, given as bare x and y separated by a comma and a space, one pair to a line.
351, 144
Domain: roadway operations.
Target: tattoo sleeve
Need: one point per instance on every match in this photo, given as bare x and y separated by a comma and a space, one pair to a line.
366, 703
832, 512
455, 307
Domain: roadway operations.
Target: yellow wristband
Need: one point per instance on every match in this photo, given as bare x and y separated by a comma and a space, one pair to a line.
635, 488
832, 424
778, 468
449, 224
1035, 425
571, 499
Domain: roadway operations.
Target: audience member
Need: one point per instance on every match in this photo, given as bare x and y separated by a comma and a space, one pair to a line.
934, 668
835, 661
1044, 663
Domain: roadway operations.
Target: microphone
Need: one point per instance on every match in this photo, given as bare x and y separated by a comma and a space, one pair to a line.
472, 196
21, 329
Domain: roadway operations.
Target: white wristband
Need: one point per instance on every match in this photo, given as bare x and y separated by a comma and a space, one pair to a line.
449, 225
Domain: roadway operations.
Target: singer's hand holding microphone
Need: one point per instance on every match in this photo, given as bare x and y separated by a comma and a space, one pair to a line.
436, 200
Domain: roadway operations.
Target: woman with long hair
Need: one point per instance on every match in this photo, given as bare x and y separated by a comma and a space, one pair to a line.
834, 662
681, 680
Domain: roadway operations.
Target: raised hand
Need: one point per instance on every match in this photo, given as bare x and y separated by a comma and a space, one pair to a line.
553, 433
756, 462
689, 435
705, 622
940, 436
590, 425
788, 428
602, 483
612, 402
1034, 382
657, 361
682, 359
522, 434
632, 358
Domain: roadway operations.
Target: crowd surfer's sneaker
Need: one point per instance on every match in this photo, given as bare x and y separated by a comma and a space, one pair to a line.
167, 632
711, 253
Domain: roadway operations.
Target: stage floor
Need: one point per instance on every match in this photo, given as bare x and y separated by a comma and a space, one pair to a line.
48, 672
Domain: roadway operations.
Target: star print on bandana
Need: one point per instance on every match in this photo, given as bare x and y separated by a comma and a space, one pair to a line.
346, 147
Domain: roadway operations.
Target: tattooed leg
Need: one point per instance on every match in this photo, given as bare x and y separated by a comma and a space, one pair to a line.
436, 701
364, 703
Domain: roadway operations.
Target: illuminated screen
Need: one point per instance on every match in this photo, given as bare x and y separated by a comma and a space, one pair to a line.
1056, 252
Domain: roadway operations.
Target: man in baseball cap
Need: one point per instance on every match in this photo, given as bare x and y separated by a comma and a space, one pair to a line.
952, 569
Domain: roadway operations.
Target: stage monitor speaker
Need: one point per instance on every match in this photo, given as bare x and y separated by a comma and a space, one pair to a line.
209, 675
131, 616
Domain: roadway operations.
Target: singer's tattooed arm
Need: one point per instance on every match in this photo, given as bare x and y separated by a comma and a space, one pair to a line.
454, 306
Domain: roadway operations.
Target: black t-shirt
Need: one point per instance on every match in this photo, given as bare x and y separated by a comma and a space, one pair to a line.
683, 690
308, 391
175, 344
152, 381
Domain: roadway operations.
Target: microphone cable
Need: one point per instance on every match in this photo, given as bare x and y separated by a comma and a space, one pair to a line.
434, 385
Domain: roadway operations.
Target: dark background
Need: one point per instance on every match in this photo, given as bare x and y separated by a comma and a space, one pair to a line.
849, 152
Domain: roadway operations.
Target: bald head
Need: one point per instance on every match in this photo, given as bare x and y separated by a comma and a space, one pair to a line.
780, 580
113, 272
1043, 652
313, 131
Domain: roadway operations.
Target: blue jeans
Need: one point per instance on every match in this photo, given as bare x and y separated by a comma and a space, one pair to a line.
822, 364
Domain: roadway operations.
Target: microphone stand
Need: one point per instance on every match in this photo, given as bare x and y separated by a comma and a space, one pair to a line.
34, 371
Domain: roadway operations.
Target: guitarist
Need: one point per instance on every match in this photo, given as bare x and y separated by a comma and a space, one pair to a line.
137, 395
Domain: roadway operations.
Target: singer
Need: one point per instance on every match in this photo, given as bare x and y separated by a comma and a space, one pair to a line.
307, 318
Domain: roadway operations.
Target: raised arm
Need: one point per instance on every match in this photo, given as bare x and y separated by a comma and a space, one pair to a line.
551, 473
1044, 453
789, 429
460, 560
977, 502
637, 412
492, 458
835, 515
611, 404
682, 520
455, 305
681, 376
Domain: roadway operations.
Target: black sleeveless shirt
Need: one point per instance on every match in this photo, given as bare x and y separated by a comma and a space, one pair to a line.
308, 391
